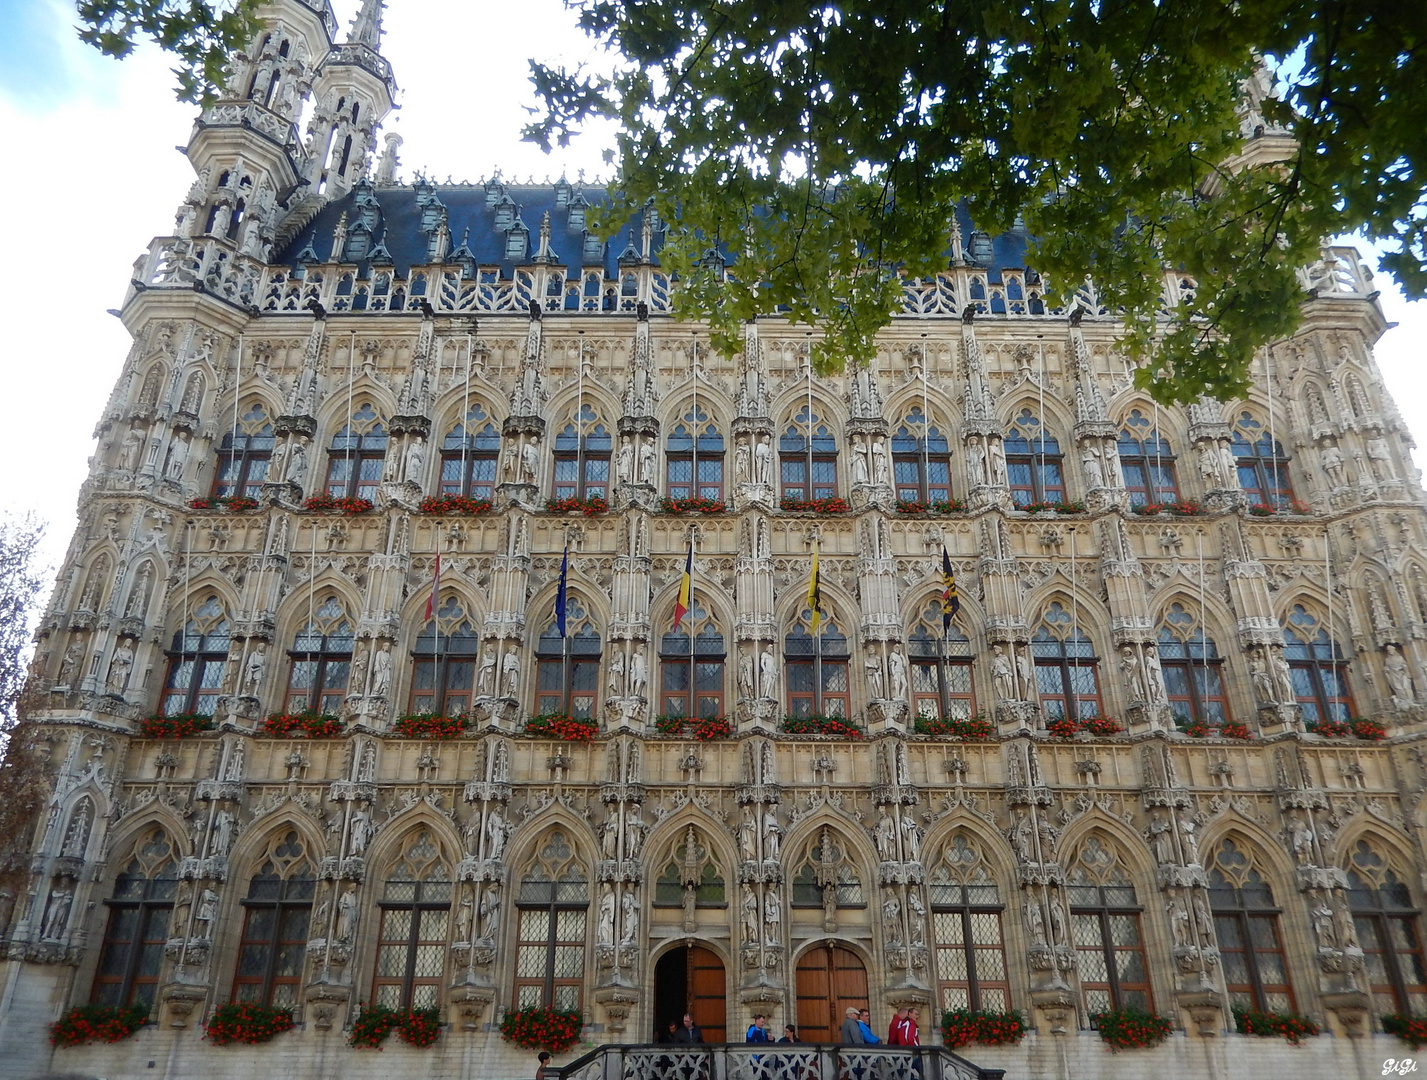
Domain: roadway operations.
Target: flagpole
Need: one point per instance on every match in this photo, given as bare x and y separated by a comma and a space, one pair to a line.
694, 380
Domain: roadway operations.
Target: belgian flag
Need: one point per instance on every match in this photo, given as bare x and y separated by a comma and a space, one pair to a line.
950, 599
686, 589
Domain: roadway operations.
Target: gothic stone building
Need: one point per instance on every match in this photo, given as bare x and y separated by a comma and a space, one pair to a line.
312, 327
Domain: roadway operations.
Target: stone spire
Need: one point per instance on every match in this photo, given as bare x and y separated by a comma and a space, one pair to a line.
367, 26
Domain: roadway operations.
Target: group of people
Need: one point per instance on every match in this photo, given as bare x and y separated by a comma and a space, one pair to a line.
758, 1032
903, 1031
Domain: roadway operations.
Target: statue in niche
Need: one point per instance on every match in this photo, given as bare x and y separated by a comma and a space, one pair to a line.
1300, 839
363, 830
1178, 921
897, 664
1283, 675
891, 918
750, 916
633, 832
624, 463
768, 671
911, 839
490, 912
763, 461
629, 911
886, 837
1002, 677
1262, 680
772, 835
880, 469
771, 917
1332, 459
510, 672
223, 825
1134, 676
139, 595
254, 670
529, 463
1205, 920
415, 459
465, 912
367, 764
740, 462
347, 914
381, 670
496, 834
638, 674
1380, 458
1399, 679
861, 473
1154, 675
206, 912
1209, 466
1090, 462
872, 667
917, 919
119, 666
77, 835
57, 911
604, 920
647, 459
296, 464
486, 680
1026, 670
129, 453
745, 673
615, 683
1035, 922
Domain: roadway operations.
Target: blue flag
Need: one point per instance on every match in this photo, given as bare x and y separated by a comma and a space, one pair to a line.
562, 595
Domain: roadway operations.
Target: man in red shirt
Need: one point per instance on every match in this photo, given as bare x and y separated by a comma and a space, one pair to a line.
897, 1031
910, 1034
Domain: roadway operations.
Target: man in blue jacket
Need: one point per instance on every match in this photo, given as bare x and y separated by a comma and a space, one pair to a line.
759, 1031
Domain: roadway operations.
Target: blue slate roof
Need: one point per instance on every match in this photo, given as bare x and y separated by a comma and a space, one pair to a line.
397, 225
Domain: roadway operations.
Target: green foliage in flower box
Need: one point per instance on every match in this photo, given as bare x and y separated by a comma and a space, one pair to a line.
247, 1022
98, 1023
816, 724
177, 726
537, 1028
1290, 1026
1131, 1029
561, 726
962, 1026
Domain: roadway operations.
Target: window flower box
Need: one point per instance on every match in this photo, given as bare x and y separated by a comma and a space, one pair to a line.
1201, 729
1181, 508
588, 507
1131, 1029
1293, 506
816, 724
1367, 730
1410, 1029
1064, 727
247, 1022
972, 729
692, 506
301, 726
177, 726
703, 728
959, 1027
814, 506
1053, 507
454, 506
1290, 1026
940, 506
330, 504
98, 1023
430, 726
416, 1027
562, 727
541, 1028
234, 504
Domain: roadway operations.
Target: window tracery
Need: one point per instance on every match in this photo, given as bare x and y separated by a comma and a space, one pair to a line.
244, 456
141, 912
1146, 461
1385, 922
1262, 463
415, 926
568, 668
277, 913
321, 660
826, 877
356, 456
807, 453
582, 455
690, 877
817, 666
1317, 667
921, 460
469, 453
1105, 927
1034, 463
198, 661
1246, 925
1067, 669
966, 925
444, 662
691, 664
553, 916
694, 441
943, 684
1192, 669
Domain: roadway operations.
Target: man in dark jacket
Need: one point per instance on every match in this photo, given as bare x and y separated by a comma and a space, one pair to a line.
851, 1030
689, 1033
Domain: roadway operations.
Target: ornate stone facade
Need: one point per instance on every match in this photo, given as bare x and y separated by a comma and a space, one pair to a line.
294, 339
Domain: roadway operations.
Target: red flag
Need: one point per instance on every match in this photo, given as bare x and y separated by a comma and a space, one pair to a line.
435, 598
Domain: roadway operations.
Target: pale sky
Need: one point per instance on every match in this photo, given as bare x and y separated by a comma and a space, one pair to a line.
94, 175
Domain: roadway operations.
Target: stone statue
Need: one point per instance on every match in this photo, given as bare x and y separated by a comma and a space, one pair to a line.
911, 839
1332, 459
1035, 922
296, 465
604, 920
381, 670
638, 674
510, 673
1178, 921
880, 471
119, 666
860, 472
772, 835
347, 914
1026, 670
57, 913
529, 463
363, 829
177, 458
771, 917
917, 919
1283, 675
872, 667
206, 912
1057, 920
768, 671
745, 674
886, 836
1154, 675
898, 665
1001, 675
490, 912
223, 824
233, 770
1300, 839
69, 668
486, 681
891, 918
763, 461
1205, 920
1209, 466
624, 463
1021, 833
629, 916
615, 684
1134, 677
647, 455
415, 459
750, 916
1188, 841
1262, 680
133, 445
740, 463
1399, 679
495, 834
1090, 462
254, 670
465, 915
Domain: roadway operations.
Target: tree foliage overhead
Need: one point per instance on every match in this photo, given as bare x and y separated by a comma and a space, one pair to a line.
823, 148
200, 34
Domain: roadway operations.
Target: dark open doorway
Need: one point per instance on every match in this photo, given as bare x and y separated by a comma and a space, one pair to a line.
691, 979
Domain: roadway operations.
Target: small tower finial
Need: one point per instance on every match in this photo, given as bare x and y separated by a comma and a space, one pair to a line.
367, 26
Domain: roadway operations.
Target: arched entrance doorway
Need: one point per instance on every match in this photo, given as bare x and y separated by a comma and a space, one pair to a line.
691, 979
830, 978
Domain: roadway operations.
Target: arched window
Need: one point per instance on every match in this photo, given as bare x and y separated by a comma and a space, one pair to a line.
1246, 922
321, 661
966, 925
582, 450
695, 445
1033, 462
243, 456
807, 453
817, 668
1193, 670
826, 878
197, 662
691, 666
1263, 466
415, 927
140, 911
1105, 927
921, 460
468, 457
1385, 921
276, 916
355, 458
691, 878
443, 675
1146, 462
1318, 668
568, 669
1067, 670
553, 909
942, 684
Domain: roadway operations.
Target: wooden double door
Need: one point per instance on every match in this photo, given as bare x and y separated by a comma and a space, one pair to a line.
691, 979
830, 978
